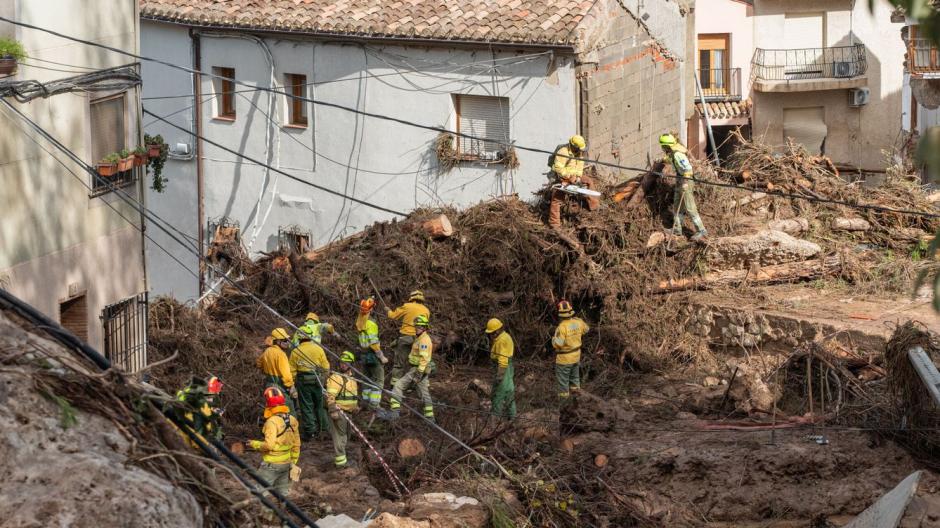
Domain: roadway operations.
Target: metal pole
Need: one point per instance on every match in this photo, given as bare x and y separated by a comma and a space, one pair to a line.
708, 123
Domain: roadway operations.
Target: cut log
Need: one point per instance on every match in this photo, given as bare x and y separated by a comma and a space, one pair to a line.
790, 226
627, 191
655, 239
601, 460
792, 271
238, 448
751, 198
410, 447
850, 224
438, 227
646, 184
765, 248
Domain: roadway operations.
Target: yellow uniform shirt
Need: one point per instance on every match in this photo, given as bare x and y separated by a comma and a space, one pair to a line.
406, 313
308, 357
567, 340
368, 333
568, 169
502, 349
273, 362
343, 392
420, 355
281, 444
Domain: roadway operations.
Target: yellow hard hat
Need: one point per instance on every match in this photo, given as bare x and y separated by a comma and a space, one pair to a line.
313, 317
279, 334
416, 295
668, 140
347, 357
565, 309
493, 325
577, 142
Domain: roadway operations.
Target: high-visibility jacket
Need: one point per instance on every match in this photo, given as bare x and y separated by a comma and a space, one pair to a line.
567, 166
342, 391
368, 333
203, 417
407, 313
680, 161
313, 329
308, 357
502, 350
420, 355
281, 444
274, 362
567, 340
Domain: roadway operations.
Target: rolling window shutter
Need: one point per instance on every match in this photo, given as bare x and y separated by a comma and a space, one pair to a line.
107, 127
484, 117
806, 126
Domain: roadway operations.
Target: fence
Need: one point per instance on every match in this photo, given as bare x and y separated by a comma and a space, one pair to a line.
723, 84
809, 63
922, 56
125, 333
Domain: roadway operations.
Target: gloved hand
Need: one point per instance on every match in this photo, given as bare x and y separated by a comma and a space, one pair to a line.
294, 473
381, 356
293, 392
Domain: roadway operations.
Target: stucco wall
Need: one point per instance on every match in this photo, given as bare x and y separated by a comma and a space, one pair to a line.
390, 164
856, 135
52, 234
734, 17
637, 77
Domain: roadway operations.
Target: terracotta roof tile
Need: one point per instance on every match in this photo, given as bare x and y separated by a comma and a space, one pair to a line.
522, 21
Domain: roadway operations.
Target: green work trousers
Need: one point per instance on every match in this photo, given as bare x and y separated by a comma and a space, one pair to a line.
340, 433
277, 476
402, 351
683, 202
504, 394
422, 383
568, 377
275, 381
313, 416
375, 372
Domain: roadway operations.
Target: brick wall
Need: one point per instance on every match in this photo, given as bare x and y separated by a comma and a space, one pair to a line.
634, 82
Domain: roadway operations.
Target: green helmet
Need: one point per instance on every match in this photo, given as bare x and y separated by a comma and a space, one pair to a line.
422, 321
347, 357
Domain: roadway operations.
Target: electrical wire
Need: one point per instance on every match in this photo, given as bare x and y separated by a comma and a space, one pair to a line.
444, 130
111, 79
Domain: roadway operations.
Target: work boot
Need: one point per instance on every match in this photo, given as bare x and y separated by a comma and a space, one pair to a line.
700, 236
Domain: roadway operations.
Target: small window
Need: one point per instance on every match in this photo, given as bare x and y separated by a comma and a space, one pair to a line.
293, 240
73, 316
486, 118
108, 133
225, 93
125, 333
296, 85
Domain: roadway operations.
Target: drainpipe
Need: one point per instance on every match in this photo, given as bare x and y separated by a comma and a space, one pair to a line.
141, 185
708, 123
200, 195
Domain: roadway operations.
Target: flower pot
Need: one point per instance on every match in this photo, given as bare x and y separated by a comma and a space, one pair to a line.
7, 66
125, 164
154, 150
107, 169
140, 160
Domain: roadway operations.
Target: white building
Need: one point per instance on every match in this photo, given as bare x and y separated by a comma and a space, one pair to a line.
534, 73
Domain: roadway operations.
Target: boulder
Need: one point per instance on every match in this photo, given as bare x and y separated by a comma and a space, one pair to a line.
763, 248
446, 510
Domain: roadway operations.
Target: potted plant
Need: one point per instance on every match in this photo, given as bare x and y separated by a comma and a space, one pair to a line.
11, 52
125, 161
158, 151
140, 156
109, 165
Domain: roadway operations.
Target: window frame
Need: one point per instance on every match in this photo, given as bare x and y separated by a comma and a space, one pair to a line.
128, 177
459, 140
293, 105
225, 108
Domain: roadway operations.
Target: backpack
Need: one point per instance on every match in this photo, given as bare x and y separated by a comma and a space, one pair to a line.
551, 158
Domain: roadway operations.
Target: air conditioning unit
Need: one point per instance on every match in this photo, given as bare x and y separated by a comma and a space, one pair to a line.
859, 96
843, 69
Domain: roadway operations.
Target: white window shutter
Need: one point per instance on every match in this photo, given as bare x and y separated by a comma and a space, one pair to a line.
484, 117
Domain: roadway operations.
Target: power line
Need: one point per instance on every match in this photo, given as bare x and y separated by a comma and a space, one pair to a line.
443, 130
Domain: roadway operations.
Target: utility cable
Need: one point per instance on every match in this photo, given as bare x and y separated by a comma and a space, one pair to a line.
444, 130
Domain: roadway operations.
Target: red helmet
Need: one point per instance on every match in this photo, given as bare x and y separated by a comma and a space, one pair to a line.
214, 385
273, 397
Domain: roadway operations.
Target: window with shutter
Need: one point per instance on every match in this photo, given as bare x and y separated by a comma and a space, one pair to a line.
296, 85
73, 316
806, 126
108, 134
485, 118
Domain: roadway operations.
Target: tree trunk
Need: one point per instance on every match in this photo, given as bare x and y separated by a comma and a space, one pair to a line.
809, 269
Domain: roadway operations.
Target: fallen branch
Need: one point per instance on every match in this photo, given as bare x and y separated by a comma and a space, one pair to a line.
805, 270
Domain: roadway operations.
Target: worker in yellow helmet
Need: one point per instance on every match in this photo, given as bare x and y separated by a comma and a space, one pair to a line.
683, 200
567, 163
309, 366
280, 448
313, 328
422, 366
567, 345
342, 396
406, 313
370, 349
274, 364
501, 352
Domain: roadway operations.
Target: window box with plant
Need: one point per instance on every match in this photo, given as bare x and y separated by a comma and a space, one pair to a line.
125, 161
140, 156
158, 151
108, 166
11, 52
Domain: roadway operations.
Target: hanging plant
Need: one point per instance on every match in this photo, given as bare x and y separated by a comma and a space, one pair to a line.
446, 152
11, 52
157, 150
510, 159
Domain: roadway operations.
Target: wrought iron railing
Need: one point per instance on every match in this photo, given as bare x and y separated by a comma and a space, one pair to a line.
723, 84
125, 333
922, 56
810, 63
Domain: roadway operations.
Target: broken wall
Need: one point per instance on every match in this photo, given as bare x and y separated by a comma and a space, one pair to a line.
634, 79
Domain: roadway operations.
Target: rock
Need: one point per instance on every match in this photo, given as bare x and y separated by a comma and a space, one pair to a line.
387, 520
410, 447
711, 381
338, 521
682, 415
446, 510
655, 239
764, 248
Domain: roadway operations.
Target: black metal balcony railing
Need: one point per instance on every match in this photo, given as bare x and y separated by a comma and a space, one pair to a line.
811, 63
922, 56
722, 84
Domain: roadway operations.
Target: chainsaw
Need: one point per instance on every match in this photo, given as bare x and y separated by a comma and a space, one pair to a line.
575, 189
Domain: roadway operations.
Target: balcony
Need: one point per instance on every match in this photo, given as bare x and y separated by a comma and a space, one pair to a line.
719, 85
809, 69
922, 58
